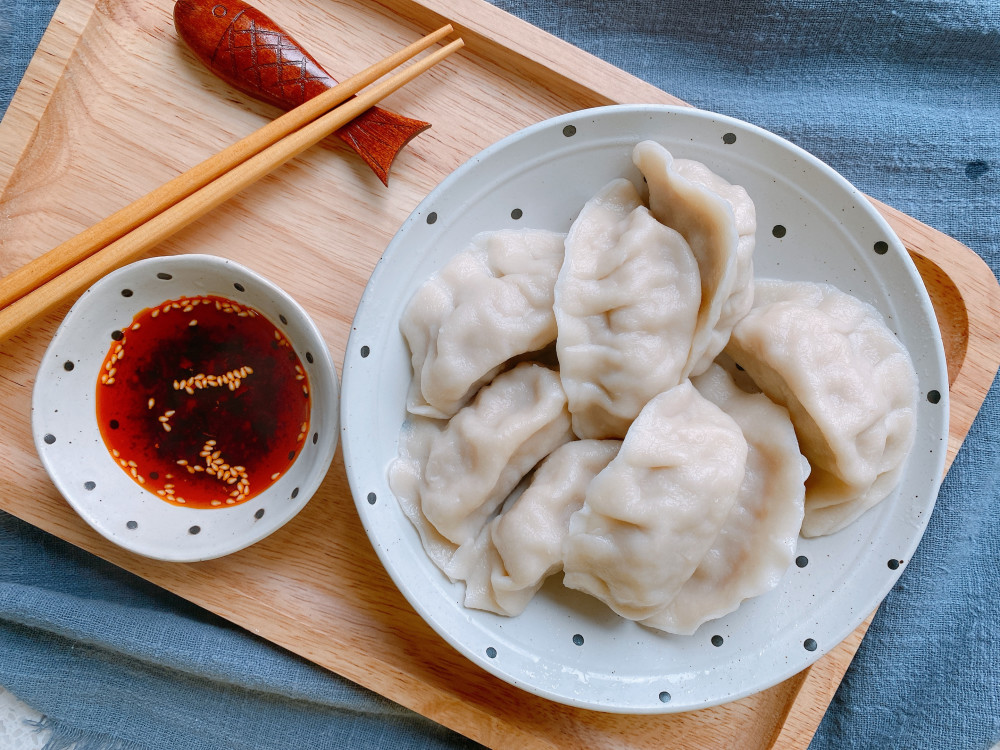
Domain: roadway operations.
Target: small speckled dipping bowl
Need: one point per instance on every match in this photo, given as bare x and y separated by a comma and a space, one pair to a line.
811, 225
68, 440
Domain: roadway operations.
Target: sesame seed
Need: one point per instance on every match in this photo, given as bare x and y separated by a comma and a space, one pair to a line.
216, 502
134, 472
182, 462
149, 404
170, 412
111, 381
166, 427
155, 313
193, 323
132, 463
275, 475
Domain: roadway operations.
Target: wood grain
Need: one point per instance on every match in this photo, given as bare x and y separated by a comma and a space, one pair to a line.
114, 105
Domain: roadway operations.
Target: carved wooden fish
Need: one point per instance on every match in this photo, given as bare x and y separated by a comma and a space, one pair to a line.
251, 52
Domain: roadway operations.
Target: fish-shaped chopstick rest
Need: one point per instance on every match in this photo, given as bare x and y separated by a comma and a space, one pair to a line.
251, 52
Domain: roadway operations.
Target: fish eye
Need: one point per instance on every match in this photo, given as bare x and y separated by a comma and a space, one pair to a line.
219, 10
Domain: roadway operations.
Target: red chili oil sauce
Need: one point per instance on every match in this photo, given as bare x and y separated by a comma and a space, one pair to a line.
203, 401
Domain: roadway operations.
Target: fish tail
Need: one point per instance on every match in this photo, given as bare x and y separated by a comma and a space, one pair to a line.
378, 135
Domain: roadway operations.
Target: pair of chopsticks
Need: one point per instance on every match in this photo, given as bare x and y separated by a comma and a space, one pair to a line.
70, 268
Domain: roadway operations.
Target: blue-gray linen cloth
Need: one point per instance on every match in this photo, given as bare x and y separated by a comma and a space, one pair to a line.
903, 98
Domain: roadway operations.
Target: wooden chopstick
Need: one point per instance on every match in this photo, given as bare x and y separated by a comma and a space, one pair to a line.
76, 264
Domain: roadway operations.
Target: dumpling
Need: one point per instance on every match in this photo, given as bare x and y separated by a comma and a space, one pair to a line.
848, 384
522, 546
719, 222
649, 518
489, 303
757, 542
626, 302
458, 474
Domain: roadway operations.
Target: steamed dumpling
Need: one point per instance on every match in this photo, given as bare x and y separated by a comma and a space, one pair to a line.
488, 304
626, 303
848, 384
757, 542
719, 222
452, 477
521, 547
649, 518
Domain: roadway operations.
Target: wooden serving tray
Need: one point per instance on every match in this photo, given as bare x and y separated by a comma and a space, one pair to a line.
112, 106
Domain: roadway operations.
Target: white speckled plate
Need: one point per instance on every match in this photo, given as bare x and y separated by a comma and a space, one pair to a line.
64, 418
812, 225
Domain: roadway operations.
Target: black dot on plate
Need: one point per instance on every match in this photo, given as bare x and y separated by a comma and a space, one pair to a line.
68, 365
371, 498
778, 231
117, 335
239, 287
881, 247
283, 319
126, 292
716, 640
801, 561
315, 438
295, 493
578, 639
89, 485
164, 276
809, 644
49, 438
154, 475
491, 652
729, 138
113, 424
934, 396
664, 697
132, 525
516, 214
569, 131
365, 351
432, 217
259, 514
194, 530
976, 169
309, 357
893, 564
